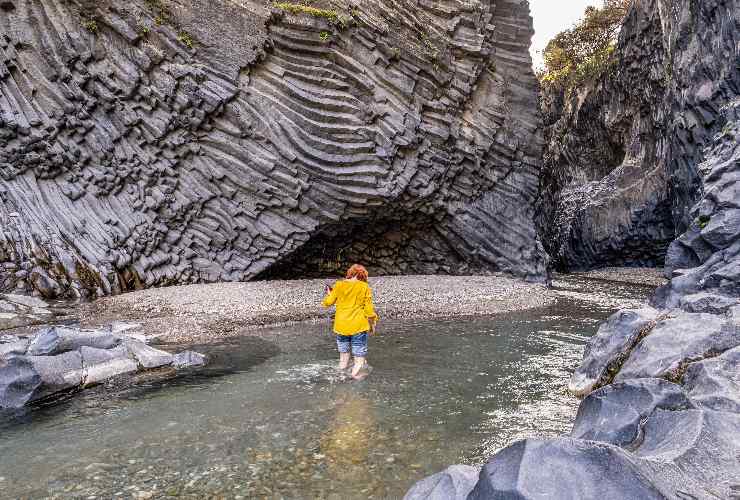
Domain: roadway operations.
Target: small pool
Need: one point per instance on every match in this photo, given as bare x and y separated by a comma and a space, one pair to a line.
272, 418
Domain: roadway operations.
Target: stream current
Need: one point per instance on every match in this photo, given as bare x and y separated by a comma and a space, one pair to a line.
271, 417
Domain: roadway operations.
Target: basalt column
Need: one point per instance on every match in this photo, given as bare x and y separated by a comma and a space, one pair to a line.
158, 142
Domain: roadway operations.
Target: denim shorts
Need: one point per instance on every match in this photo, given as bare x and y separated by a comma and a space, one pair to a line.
357, 342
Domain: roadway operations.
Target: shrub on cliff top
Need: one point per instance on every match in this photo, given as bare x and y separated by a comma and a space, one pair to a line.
584, 51
330, 15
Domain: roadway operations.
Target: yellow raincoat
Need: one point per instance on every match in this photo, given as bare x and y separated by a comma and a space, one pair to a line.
354, 301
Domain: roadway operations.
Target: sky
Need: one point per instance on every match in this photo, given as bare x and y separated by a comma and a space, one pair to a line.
551, 17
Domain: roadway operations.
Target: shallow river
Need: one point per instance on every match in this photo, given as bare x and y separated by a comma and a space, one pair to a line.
272, 418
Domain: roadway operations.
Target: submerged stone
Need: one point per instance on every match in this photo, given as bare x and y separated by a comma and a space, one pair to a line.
188, 359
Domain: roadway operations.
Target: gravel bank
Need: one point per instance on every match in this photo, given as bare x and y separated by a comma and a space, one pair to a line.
651, 276
207, 312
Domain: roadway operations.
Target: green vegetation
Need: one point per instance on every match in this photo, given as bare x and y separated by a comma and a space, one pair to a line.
585, 51
163, 16
703, 221
332, 16
91, 25
185, 38
324, 36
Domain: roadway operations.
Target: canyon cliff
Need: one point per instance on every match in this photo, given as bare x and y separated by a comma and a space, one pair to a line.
159, 142
620, 161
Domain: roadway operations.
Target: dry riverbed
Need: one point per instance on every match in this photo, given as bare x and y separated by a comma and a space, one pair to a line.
207, 312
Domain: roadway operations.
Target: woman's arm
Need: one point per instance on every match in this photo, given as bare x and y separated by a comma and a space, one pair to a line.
330, 298
368, 307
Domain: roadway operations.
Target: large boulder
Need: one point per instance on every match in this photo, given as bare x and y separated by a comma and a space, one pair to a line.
24, 379
715, 382
59, 339
567, 469
692, 453
614, 414
607, 350
453, 483
675, 342
19, 380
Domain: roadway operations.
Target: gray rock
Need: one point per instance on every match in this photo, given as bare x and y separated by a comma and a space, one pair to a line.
103, 364
614, 414
567, 469
704, 302
453, 483
146, 356
19, 380
26, 301
11, 349
675, 342
692, 453
124, 327
6, 338
187, 359
59, 339
44, 284
609, 347
58, 373
715, 383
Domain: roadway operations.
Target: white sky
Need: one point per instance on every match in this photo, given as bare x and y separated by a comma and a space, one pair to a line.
551, 17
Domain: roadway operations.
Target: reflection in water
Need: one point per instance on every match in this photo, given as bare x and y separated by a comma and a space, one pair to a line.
346, 445
273, 418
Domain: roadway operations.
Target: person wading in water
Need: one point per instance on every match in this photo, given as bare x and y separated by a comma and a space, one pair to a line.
354, 318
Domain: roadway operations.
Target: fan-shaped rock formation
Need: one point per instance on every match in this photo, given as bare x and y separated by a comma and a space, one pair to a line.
158, 142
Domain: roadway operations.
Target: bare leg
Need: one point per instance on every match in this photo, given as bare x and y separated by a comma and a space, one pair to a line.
344, 360
360, 363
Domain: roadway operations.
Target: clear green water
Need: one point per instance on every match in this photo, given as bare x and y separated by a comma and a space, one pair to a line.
272, 418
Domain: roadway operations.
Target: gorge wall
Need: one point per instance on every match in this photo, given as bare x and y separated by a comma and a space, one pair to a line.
619, 174
158, 142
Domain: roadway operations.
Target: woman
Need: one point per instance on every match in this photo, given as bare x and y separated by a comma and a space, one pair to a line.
354, 318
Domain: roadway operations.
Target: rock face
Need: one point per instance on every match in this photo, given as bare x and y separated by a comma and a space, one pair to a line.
661, 416
621, 155
61, 359
163, 142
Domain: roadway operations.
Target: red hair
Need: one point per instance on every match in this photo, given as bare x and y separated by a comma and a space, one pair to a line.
357, 271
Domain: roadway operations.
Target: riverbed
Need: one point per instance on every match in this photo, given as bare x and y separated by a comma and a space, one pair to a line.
271, 416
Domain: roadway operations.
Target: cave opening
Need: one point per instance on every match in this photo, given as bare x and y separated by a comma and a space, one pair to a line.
385, 245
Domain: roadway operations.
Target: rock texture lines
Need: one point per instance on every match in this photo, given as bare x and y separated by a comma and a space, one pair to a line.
619, 174
160, 142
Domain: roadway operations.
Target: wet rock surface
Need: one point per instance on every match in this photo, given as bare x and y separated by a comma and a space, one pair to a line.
165, 142
62, 359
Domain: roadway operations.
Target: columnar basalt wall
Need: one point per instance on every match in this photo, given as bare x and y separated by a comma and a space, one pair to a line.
619, 174
158, 142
